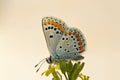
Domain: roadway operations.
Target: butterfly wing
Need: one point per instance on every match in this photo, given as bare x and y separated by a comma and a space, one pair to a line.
71, 45
53, 29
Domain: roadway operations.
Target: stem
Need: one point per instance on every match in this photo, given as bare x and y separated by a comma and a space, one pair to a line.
65, 76
59, 75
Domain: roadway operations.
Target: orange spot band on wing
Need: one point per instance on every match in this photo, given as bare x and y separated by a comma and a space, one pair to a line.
59, 26
79, 41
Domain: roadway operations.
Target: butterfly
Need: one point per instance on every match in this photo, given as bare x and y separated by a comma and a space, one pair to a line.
63, 43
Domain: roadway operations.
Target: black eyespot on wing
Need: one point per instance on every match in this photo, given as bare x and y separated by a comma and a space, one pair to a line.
51, 36
74, 45
68, 51
67, 44
75, 53
63, 38
71, 36
84, 44
55, 29
52, 27
83, 40
48, 27
77, 49
45, 28
60, 46
66, 38
57, 32
65, 49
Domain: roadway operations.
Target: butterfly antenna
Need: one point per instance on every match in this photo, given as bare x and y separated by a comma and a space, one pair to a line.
39, 62
42, 61
40, 65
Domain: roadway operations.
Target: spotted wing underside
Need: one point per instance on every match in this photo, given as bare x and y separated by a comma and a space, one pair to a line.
71, 45
53, 29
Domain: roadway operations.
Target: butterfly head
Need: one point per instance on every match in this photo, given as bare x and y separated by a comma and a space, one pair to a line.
49, 60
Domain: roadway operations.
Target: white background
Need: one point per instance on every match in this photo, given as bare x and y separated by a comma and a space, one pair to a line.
22, 43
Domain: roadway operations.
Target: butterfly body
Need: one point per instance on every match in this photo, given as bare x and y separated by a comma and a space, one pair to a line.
64, 43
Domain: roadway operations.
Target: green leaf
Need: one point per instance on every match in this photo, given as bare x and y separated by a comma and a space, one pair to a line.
83, 77
49, 71
57, 67
69, 70
63, 66
69, 66
55, 75
76, 70
71, 73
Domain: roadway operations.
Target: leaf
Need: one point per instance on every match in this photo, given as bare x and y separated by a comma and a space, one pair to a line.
57, 67
69, 70
47, 72
81, 67
72, 70
76, 70
63, 66
55, 75
83, 77
69, 66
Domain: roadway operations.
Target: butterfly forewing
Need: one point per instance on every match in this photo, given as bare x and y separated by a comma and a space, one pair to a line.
53, 29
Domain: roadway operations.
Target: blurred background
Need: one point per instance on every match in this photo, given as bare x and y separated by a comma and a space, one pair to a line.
22, 42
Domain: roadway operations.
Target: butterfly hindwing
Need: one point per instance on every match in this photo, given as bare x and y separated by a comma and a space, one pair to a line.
71, 45
53, 29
